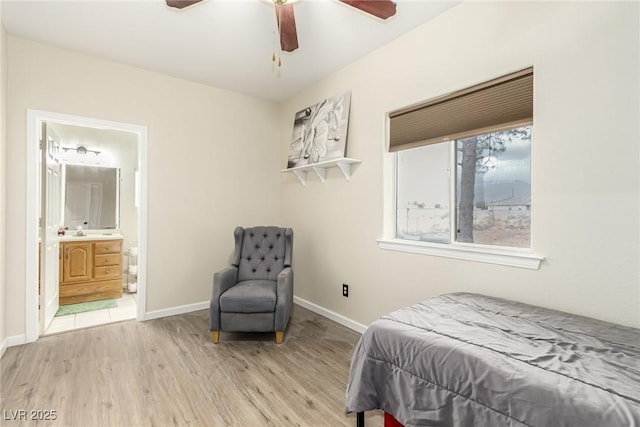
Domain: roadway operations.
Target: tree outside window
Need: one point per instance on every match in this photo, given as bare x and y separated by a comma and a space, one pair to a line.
492, 191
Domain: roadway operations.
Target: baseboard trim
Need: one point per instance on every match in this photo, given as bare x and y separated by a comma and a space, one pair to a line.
339, 318
11, 342
172, 311
188, 308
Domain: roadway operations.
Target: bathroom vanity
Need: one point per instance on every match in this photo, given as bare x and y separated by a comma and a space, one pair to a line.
90, 268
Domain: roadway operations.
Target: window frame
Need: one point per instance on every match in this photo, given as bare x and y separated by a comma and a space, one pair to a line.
500, 255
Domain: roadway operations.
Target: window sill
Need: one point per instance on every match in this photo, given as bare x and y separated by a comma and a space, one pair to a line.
513, 258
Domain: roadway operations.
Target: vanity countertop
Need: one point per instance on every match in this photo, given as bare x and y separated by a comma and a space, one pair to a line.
71, 237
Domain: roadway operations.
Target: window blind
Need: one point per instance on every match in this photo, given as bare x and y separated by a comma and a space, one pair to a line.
499, 104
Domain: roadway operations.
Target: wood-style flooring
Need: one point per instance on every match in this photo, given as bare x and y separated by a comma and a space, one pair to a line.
168, 372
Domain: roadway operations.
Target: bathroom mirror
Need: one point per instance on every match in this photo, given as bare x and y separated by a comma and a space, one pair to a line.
91, 197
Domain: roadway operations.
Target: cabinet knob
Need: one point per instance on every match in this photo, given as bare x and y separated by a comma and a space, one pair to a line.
106, 271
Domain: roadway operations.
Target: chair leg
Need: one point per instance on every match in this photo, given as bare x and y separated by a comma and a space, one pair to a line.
279, 337
215, 336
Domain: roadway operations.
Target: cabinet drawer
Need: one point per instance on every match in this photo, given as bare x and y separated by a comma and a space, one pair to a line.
108, 272
108, 247
75, 293
107, 259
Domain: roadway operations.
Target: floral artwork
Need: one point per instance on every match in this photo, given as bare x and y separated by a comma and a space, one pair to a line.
320, 132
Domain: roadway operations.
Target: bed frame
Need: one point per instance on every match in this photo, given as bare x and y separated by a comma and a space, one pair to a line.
389, 421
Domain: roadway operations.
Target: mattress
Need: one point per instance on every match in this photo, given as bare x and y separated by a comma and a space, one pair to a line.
471, 360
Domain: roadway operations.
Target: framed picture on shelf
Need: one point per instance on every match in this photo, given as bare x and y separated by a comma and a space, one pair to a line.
320, 132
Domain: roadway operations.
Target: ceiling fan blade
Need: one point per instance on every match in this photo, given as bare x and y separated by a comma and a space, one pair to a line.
383, 9
287, 27
181, 4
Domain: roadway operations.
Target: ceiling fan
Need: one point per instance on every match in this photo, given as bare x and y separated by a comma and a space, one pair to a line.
382, 9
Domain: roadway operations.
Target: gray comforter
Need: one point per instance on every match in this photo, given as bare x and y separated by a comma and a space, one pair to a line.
471, 360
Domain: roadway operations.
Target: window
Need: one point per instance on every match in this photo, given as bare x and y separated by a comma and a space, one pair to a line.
423, 197
463, 173
490, 195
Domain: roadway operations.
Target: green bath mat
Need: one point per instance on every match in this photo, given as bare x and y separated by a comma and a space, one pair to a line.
81, 307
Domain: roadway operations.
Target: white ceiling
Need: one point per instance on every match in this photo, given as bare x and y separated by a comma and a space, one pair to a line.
222, 43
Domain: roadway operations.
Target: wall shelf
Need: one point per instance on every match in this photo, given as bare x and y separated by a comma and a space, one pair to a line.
320, 168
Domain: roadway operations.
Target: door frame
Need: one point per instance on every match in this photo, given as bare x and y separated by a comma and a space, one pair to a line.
34, 120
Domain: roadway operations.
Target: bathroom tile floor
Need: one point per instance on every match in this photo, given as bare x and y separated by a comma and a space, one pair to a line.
125, 310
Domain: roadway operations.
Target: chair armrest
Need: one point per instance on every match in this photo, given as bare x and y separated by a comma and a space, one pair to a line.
284, 301
222, 281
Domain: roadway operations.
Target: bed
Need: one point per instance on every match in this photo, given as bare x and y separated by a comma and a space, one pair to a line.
471, 360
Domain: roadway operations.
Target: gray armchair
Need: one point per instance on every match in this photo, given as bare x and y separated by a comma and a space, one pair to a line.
255, 294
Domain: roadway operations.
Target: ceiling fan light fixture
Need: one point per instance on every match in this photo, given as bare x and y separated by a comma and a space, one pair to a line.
286, 20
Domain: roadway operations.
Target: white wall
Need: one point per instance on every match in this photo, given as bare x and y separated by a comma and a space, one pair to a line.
585, 168
211, 163
3, 151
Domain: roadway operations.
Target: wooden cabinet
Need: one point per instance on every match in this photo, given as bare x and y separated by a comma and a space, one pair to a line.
77, 261
91, 270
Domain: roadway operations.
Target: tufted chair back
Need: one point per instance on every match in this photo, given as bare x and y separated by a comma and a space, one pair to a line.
262, 252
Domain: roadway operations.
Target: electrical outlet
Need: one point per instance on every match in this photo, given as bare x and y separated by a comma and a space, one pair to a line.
345, 290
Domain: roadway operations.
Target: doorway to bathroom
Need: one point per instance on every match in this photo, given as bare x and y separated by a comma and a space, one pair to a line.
88, 181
